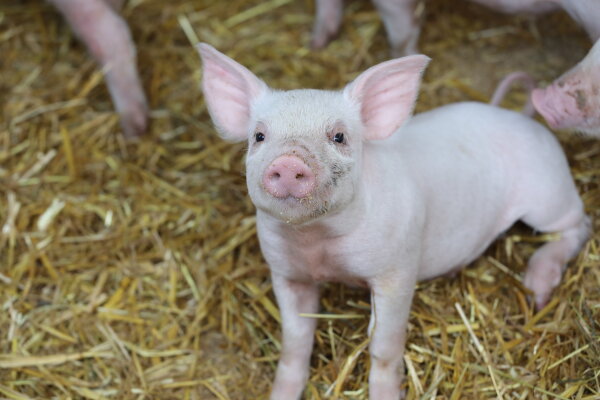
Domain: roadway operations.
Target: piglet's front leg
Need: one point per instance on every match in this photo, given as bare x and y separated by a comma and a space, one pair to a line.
294, 298
390, 307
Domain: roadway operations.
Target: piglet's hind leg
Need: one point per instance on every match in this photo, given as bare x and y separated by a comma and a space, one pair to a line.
546, 266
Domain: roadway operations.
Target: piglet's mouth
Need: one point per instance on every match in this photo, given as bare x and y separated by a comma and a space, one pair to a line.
293, 204
297, 211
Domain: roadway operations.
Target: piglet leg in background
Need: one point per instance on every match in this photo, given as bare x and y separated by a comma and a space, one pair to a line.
327, 22
399, 18
401, 21
108, 39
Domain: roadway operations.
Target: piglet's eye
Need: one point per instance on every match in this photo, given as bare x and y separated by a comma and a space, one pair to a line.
339, 137
259, 136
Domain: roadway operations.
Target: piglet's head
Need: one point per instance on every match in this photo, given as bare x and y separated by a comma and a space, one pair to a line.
305, 147
572, 102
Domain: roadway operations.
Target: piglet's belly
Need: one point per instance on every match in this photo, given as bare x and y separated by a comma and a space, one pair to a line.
449, 259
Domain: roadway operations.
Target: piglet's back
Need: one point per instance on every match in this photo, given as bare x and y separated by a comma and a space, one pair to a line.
469, 160
479, 133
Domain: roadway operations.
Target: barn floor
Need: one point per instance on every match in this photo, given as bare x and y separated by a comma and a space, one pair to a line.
148, 282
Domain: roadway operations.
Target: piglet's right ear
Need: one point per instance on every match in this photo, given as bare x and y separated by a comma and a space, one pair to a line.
230, 90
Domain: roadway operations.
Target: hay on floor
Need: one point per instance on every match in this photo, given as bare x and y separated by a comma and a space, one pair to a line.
132, 270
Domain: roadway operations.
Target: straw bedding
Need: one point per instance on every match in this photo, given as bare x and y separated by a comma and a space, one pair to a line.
132, 270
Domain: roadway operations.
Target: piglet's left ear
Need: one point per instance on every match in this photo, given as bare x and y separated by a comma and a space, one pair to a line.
387, 94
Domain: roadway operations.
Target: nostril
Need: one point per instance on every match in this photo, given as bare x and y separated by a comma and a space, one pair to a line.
299, 176
274, 176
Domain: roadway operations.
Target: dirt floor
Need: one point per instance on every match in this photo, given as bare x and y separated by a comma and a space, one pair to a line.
149, 282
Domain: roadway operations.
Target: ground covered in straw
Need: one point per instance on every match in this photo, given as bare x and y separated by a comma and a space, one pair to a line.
132, 270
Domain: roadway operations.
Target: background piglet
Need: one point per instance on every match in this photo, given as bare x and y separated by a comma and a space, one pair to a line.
572, 101
106, 34
401, 18
341, 195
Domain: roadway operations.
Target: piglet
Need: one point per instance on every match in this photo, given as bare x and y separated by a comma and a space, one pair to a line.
349, 188
572, 102
107, 37
401, 18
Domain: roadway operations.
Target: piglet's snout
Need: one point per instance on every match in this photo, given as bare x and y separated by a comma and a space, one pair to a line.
558, 106
289, 176
541, 101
